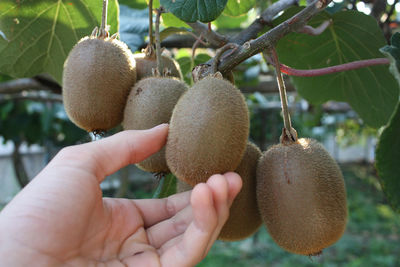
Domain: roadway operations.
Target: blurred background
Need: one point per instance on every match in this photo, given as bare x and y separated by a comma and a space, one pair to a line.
34, 127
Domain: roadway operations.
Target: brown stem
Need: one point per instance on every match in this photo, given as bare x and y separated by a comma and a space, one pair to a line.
158, 41
215, 39
151, 41
289, 131
219, 54
103, 30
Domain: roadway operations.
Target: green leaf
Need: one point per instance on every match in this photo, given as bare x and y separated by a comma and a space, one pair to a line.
372, 92
393, 53
226, 22
193, 10
388, 160
137, 4
166, 187
236, 8
171, 30
169, 20
41, 33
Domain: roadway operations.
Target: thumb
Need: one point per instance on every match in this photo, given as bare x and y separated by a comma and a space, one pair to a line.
108, 155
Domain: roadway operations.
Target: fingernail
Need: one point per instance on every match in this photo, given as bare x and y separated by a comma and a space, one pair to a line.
160, 126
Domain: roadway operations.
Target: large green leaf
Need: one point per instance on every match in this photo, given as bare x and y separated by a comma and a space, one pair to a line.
238, 7
388, 160
193, 10
372, 92
41, 33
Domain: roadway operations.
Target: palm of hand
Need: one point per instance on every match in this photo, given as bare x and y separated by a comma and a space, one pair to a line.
62, 219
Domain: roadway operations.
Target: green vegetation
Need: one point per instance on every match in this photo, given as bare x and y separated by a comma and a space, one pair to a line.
372, 236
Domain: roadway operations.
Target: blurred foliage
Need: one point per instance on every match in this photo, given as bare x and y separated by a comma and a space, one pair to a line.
38, 123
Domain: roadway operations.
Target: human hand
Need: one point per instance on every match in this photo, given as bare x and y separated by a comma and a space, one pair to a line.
61, 219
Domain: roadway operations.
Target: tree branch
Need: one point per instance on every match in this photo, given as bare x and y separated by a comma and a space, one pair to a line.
36, 83
32, 96
215, 39
265, 19
265, 41
19, 85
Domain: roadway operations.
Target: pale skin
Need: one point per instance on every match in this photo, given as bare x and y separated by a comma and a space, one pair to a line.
61, 218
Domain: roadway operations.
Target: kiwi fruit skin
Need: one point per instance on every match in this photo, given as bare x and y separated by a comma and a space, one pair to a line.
301, 196
145, 65
149, 104
98, 75
208, 131
244, 217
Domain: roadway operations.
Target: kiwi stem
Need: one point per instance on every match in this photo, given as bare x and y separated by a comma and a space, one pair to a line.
158, 41
220, 52
151, 38
290, 132
103, 31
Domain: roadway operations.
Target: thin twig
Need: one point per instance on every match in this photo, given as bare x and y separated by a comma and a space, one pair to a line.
215, 39
158, 41
151, 41
103, 30
390, 13
334, 69
282, 91
198, 39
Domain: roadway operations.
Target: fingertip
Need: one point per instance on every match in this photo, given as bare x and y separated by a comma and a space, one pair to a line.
201, 195
219, 186
160, 127
234, 184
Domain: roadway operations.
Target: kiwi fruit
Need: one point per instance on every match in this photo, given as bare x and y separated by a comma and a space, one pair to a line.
244, 217
301, 196
208, 131
145, 65
150, 103
98, 75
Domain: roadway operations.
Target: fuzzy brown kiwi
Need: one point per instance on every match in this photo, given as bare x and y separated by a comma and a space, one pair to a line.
208, 131
301, 196
244, 217
146, 64
98, 75
150, 103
